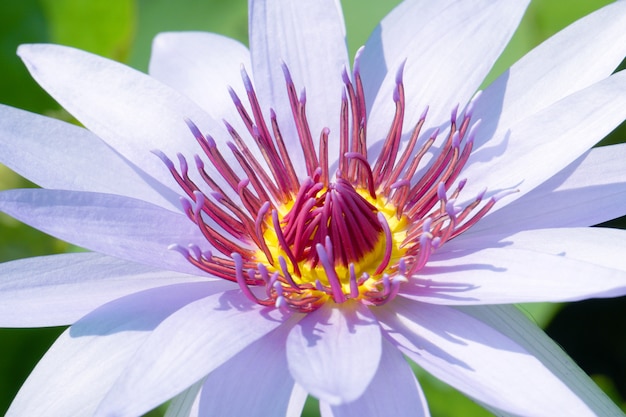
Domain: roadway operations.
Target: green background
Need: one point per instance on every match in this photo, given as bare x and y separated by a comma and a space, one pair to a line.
593, 332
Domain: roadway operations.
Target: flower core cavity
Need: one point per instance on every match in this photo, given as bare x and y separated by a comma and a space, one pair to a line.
296, 241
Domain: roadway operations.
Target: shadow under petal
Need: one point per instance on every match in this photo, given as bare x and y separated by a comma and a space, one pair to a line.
143, 310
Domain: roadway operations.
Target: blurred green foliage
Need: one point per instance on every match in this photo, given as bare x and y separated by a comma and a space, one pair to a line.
123, 30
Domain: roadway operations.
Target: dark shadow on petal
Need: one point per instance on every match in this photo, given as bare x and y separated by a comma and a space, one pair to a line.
395, 331
352, 317
239, 301
435, 270
419, 287
468, 246
141, 311
489, 109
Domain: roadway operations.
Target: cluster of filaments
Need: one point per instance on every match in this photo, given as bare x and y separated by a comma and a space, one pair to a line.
306, 239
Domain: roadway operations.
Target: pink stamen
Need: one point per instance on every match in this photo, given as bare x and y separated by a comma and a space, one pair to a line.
329, 268
329, 224
388, 245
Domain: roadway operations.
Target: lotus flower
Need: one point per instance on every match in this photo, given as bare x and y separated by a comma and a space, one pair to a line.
273, 222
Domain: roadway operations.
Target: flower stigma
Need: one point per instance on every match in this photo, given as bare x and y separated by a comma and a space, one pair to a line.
295, 241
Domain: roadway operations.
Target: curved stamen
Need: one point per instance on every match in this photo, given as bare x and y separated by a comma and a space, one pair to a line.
388, 244
366, 166
329, 268
375, 220
283, 243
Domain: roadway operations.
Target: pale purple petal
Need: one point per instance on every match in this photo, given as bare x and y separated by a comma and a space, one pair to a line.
55, 154
589, 191
511, 322
543, 144
394, 391
308, 36
477, 360
296, 401
87, 359
184, 348
202, 66
114, 225
255, 382
580, 55
449, 47
187, 403
132, 112
335, 351
59, 289
530, 266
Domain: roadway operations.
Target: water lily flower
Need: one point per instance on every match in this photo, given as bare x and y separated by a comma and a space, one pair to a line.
273, 222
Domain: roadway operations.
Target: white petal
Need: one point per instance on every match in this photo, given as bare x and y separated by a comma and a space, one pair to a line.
573, 59
394, 391
202, 66
308, 36
589, 191
118, 226
186, 347
132, 112
508, 320
543, 144
530, 266
255, 382
335, 352
58, 290
449, 47
83, 364
55, 154
477, 360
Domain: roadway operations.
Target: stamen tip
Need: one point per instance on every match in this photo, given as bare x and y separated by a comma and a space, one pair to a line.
456, 139
357, 60
194, 129
344, 75
441, 192
280, 303
229, 127
199, 161
234, 97
243, 184
246, 79
453, 115
286, 73
178, 248
473, 130
183, 163
400, 72
217, 196
167, 161
400, 279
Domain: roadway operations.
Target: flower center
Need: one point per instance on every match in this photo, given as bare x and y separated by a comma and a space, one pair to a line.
334, 239
336, 213
306, 239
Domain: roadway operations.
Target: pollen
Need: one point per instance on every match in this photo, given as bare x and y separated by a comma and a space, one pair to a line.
296, 239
